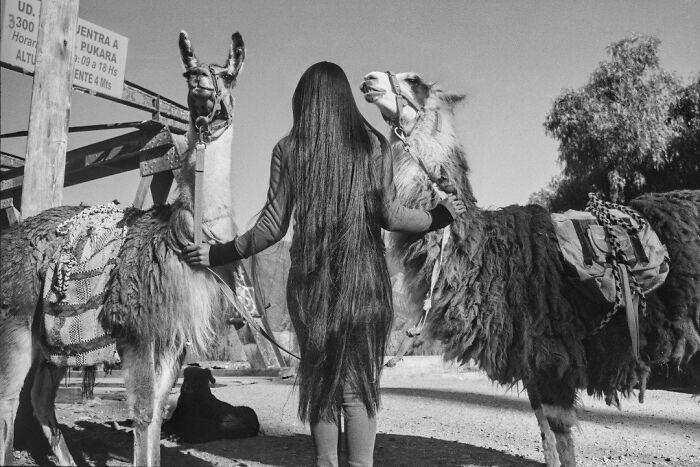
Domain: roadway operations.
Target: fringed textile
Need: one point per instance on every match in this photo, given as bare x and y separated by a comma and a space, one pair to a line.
74, 287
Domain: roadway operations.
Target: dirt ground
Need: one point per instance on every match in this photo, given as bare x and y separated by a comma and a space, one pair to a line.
432, 415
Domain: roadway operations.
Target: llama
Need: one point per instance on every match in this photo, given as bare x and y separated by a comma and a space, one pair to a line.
154, 303
503, 299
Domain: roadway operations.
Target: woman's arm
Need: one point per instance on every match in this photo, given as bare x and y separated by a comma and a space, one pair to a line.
396, 217
272, 224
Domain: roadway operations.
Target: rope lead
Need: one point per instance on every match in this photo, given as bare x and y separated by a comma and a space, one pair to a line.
628, 292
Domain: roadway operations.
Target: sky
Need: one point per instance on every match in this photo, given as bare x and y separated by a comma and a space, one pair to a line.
511, 58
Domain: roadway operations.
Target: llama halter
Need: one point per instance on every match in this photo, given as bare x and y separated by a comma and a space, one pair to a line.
401, 100
208, 128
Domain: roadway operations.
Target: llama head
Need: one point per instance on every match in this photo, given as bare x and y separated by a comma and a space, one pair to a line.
210, 86
378, 90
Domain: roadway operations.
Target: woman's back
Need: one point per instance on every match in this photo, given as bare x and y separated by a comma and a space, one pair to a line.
335, 172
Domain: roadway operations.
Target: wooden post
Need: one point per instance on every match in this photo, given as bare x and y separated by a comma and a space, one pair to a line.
44, 166
159, 184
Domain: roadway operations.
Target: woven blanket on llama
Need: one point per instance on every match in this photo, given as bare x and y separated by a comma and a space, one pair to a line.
74, 287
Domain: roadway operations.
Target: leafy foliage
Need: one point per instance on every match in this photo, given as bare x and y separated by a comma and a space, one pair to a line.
633, 128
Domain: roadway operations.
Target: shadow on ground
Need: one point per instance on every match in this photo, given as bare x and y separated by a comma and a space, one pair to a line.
96, 444
600, 416
390, 450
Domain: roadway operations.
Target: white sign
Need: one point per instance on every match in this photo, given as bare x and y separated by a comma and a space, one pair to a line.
100, 54
100, 59
19, 32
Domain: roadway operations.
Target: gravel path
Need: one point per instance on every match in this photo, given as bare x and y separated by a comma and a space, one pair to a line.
431, 415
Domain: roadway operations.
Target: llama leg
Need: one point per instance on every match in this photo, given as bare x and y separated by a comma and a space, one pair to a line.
15, 362
561, 420
167, 371
46, 382
549, 442
140, 388
148, 389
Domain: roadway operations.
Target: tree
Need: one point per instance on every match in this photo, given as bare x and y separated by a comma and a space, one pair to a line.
631, 129
684, 165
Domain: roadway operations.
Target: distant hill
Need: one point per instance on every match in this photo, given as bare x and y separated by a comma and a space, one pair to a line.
271, 269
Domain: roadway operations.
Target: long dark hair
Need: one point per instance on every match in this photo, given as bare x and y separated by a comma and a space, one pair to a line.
342, 295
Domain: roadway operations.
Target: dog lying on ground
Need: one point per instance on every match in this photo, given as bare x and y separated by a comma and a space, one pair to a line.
200, 417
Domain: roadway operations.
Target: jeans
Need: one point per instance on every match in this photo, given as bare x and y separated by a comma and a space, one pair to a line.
360, 431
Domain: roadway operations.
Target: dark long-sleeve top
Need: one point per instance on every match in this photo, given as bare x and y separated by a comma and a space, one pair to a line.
274, 220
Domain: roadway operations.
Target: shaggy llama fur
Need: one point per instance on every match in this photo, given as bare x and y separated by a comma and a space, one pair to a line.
155, 303
503, 298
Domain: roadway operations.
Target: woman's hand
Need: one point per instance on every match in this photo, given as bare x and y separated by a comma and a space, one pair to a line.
197, 255
457, 206
446, 212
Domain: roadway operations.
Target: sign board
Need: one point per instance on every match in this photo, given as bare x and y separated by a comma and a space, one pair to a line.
100, 54
20, 24
100, 59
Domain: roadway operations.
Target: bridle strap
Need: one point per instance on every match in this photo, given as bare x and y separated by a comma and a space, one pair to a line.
198, 193
401, 100
401, 97
205, 125
214, 82
205, 132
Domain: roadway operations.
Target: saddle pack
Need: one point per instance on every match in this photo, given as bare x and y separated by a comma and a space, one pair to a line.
614, 256
74, 287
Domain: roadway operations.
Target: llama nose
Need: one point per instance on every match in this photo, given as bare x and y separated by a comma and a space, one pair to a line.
369, 81
205, 82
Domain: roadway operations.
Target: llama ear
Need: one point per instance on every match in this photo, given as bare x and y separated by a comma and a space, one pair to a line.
211, 377
186, 51
453, 99
236, 55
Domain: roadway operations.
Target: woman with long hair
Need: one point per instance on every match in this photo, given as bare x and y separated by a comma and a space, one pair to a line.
334, 174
